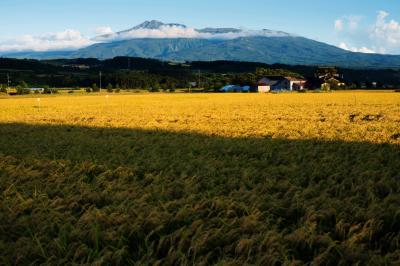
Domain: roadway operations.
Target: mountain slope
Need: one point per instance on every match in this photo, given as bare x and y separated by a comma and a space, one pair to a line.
147, 48
283, 50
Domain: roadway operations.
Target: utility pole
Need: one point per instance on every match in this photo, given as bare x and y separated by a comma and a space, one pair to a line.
8, 81
199, 79
100, 80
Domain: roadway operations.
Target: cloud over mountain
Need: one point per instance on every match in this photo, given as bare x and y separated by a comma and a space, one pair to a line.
104, 30
381, 36
386, 31
66, 40
363, 49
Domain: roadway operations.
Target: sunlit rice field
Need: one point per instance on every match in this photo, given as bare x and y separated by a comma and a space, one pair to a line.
179, 179
365, 117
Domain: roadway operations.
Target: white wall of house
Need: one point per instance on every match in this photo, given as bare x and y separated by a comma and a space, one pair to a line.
264, 89
296, 85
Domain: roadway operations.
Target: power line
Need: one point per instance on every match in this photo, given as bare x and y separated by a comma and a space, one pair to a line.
199, 79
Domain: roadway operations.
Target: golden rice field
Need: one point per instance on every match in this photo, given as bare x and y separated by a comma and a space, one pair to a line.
371, 117
201, 179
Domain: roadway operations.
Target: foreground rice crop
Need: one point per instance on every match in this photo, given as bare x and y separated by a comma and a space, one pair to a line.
201, 179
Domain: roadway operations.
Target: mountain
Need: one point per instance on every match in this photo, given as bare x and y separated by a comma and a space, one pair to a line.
154, 24
177, 42
147, 25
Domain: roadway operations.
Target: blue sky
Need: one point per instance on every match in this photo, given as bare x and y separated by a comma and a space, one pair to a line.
365, 26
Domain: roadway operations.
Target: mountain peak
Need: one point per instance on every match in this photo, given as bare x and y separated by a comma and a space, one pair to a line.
155, 24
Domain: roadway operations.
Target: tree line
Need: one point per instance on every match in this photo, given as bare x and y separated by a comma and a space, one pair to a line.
149, 74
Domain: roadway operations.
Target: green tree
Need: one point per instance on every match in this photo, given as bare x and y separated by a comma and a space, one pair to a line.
110, 87
23, 85
21, 90
95, 88
172, 87
265, 72
3, 88
156, 87
164, 87
47, 89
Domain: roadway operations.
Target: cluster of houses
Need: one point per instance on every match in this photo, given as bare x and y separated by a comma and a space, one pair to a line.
270, 84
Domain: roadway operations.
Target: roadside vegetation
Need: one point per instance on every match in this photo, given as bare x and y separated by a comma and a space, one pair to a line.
183, 179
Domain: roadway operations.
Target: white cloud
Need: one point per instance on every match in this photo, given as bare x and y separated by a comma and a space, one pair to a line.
104, 30
339, 25
65, 40
347, 23
385, 31
162, 32
174, 31
344, 46
353, 22
381, 36
363, 49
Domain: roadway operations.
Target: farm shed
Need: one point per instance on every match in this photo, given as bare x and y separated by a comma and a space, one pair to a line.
279, 83
234, 88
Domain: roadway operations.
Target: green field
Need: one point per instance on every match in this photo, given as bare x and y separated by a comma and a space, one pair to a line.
200, 179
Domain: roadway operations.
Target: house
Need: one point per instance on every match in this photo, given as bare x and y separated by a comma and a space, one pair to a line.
77, 66
296, 84
336, 81
279, 83
329, 78
268, 84
40, 90
332, 83
235, 88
